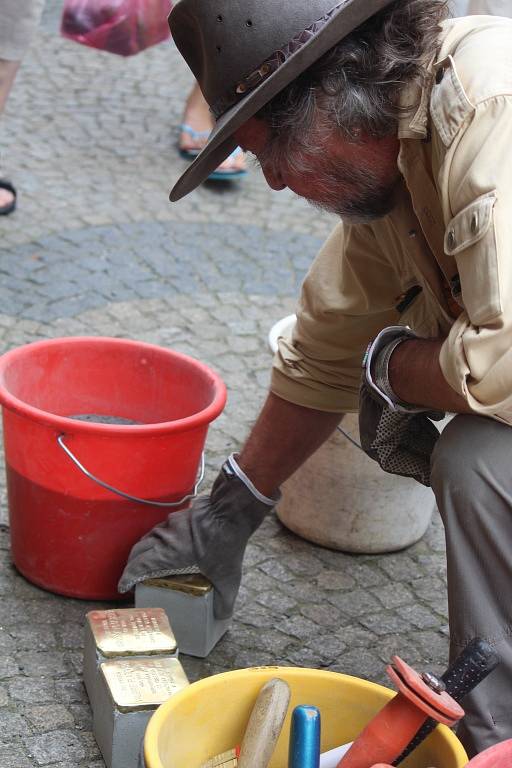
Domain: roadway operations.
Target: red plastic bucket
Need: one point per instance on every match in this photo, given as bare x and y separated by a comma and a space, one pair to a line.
499, 756
69, 534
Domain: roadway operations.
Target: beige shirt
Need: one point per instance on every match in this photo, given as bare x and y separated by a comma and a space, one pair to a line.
492, 7
451, 227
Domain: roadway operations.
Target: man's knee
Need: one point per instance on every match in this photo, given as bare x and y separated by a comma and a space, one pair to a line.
471, 451
453, 459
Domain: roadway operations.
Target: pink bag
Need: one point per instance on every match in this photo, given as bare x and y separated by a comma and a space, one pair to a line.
124, 27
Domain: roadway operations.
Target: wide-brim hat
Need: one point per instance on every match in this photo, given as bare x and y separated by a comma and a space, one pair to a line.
244, 52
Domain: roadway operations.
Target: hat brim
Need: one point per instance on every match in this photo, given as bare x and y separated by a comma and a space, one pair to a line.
221, 141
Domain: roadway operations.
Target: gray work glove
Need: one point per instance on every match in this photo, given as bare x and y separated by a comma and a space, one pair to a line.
399, 437
209, 538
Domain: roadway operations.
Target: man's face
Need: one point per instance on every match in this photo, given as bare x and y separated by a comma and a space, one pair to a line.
356, 180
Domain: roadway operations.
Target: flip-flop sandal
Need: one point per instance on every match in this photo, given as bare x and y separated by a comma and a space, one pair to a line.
10, 207
191, 154
219, 175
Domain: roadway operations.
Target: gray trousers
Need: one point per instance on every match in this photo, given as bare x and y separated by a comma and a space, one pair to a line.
472, 481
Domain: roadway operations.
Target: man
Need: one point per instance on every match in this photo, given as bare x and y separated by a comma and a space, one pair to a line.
399, 122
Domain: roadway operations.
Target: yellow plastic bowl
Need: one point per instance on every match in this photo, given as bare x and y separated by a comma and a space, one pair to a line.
209, 717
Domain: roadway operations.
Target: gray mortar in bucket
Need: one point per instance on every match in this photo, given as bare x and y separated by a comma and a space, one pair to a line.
97, 418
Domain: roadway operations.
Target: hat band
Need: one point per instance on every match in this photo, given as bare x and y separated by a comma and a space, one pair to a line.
272, 64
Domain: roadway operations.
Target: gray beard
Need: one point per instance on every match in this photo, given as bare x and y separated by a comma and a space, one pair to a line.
362, 208
357, 195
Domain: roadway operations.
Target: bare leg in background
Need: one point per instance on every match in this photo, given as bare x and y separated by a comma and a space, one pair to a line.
8, 70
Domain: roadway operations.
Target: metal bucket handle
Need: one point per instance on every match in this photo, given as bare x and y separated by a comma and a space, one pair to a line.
349, 438
188, 497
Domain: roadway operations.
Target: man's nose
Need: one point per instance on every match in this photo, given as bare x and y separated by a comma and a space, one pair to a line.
273, 178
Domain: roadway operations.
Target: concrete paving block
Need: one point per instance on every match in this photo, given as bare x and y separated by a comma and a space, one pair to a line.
128, 692
122, 633
188, 603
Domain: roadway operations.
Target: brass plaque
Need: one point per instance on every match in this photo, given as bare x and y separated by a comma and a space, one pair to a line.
132, 631
136, 684
192, 584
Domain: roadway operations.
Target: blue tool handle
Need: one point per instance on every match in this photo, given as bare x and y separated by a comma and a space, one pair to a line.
305, 737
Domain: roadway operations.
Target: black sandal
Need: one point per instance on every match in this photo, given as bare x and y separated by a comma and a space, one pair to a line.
10, 207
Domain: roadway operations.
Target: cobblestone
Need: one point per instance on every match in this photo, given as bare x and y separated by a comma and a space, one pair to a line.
30, 690
56, 745
12, 756
49, 717
393, 595
4, 696
11, 724
95, 248
322, 615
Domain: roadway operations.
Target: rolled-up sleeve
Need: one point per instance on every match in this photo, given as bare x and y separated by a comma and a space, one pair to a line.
476, 358
348, 296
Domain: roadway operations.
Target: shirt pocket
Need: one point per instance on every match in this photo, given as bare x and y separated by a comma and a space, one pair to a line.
470, 238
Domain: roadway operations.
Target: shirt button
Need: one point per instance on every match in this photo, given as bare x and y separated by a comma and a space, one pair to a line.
451, 239
412, 233
474, 223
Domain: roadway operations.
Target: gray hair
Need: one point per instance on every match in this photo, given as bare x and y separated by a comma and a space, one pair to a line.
355, 87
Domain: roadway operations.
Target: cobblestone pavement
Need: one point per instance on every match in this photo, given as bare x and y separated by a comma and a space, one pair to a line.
95, 248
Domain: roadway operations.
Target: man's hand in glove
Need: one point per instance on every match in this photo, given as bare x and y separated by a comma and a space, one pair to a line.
209, 538
398, 436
